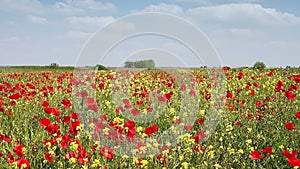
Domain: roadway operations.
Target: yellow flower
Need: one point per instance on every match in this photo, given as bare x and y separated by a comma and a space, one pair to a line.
172, 110
74, 146
96, 163
144, 163
23, 166
185, 165
217, 166
211, 154
229, 128
181, 157
249, 141
281, 147
72, 160
241, 151
202, 112
249, 129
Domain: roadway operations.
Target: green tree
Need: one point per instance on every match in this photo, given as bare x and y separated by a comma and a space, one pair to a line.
259, 65
101, 67
53, 66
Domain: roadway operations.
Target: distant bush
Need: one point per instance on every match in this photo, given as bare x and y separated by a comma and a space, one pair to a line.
101, 67
53, 66
150, 64
259, 65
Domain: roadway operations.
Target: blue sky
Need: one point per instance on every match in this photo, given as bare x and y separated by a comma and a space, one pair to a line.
34, 32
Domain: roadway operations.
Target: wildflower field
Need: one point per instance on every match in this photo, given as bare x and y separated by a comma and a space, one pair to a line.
47, 121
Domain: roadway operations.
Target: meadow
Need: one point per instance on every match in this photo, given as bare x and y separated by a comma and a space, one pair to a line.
50, 119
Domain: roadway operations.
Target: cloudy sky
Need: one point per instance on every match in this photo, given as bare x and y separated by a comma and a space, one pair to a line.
40, 32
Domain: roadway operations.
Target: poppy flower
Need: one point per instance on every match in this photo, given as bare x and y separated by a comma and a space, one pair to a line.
135, 112
19, 150
150, 130
267, 150
289, 155
23, 163
44, 122
289, 126
49, 157
45, 103
129, 124
15, 96
107, 152
297, 115
255, 155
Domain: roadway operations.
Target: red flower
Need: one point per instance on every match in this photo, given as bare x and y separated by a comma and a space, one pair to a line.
107, 152
188, 127
267, 150
289, 155
279, 86
45, 103
255, 155
289, 95
10, 158
130, 124
44, 122
49, 157
66, 103
19, 150
289, 126
52, 129
240, 75
73, 128
297, 115
74, 115
294, 162
238, 124
135, 112
15, 96
150, 130
22, 163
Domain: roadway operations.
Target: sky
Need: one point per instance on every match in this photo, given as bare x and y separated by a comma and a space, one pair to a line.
242, 32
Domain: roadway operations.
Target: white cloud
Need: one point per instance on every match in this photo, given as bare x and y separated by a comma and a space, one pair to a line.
65, 7
91, 5
211, 2
89, 21
37, 19
245, 14
167, 8
238, 33
79, 34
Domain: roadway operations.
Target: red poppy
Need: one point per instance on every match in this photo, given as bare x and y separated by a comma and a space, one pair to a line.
44, 122
15, 96
297, 115
289, 155
289, 95
107, 152
66, 103
294, 162
135, 112
150, 130
238, 124
22, 163
52, 129
130, 124
240, 75
255, 155
267, 150
49, 157
279, 86
45, 103
19, 150
289, 126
